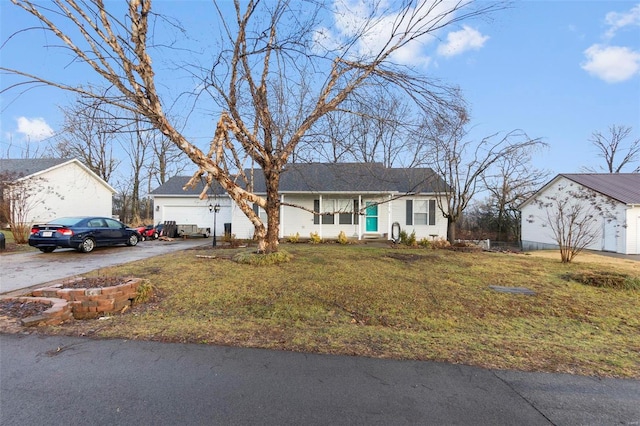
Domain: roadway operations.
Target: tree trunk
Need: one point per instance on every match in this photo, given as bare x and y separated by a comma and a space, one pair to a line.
451, 230
272, 180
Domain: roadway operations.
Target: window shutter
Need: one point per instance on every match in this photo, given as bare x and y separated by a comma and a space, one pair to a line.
316, 208
432, 212
409, 209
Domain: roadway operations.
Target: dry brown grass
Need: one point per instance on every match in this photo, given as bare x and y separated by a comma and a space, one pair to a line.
392, 303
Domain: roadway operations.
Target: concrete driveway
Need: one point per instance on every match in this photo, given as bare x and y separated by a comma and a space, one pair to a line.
25, 270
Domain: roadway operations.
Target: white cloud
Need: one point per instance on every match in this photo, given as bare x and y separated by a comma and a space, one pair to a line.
461, 41
612, 64
365, 29
35, 129
617, 21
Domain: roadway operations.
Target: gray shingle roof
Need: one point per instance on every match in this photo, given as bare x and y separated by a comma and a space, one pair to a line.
353, 177
175, 184
27, 166
331, 177
624, 187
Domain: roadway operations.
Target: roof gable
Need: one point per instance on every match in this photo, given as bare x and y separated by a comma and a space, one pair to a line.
21, 168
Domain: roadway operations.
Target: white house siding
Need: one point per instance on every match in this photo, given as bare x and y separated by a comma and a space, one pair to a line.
436, 231
298, 221
294, 220
611, 235
69, 190
190, 210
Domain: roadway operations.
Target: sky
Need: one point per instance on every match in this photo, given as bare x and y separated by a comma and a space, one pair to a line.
558, 70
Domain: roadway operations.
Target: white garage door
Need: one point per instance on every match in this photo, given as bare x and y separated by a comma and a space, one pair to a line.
189, 215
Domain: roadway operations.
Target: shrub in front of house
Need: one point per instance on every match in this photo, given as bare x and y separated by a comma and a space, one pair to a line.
440, 243
342, 238
408, 239
424, 242
314, 238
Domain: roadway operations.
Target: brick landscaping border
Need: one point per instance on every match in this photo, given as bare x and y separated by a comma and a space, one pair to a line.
60, 310
93, 302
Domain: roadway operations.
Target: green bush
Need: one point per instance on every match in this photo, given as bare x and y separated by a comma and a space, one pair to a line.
424, 242
143, 293
408, 239
293, 238
257, 259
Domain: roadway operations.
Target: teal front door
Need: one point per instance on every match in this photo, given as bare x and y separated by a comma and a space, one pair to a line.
371, 220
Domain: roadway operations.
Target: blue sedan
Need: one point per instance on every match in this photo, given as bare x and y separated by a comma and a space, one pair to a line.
81, 233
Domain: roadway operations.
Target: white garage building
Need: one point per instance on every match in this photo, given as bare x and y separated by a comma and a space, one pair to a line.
617, 193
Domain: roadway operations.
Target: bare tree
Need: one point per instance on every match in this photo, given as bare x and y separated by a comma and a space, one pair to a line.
89, 134
574, 214
167, 161
260, 78
137, 146
511, 181
25, 149
613, 146
463, 163
19, 197
373, 127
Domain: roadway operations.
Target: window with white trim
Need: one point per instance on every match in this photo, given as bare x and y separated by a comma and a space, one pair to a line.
346, 209
420, 212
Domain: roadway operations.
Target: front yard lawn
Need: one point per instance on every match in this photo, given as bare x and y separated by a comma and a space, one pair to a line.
390, 303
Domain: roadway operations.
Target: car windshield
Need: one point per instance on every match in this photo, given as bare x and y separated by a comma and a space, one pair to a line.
65, 221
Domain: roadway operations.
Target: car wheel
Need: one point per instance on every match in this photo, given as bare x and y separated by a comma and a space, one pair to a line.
155, 235
133, 240
47, 249
87, 246
206, 234
142, 238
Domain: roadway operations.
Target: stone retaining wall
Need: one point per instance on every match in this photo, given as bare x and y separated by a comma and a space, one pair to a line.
93, 302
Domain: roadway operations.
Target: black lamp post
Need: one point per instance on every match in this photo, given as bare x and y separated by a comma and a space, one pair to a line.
214, 209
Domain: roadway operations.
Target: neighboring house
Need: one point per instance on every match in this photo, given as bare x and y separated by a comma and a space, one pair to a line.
618, 194
55, 188
363, 200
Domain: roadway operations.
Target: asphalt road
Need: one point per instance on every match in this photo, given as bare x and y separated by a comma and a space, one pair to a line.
25, 270
63, 380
